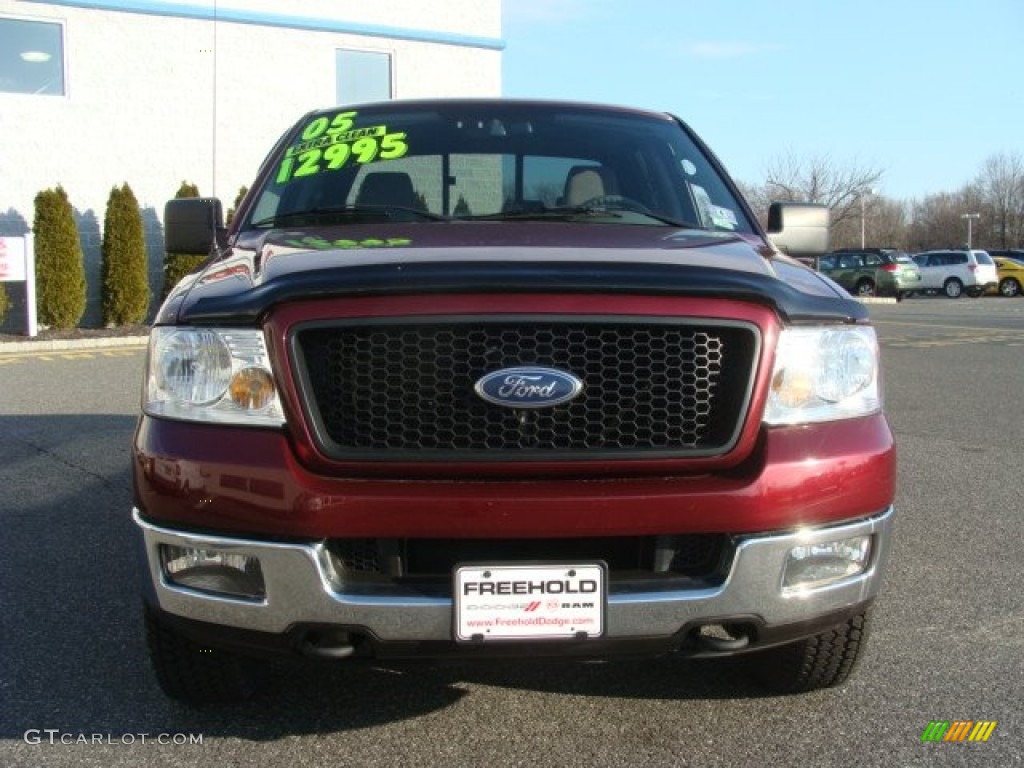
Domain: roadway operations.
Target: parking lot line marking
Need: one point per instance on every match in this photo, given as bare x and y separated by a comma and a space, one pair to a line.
121, 351
51, 356
959, 328
1002, 337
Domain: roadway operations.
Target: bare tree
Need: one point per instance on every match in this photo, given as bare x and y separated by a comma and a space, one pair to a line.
938, 220
758, 199
820, 179
1002, 185
887, 223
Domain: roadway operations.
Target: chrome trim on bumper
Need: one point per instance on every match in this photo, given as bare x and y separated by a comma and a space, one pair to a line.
300, 590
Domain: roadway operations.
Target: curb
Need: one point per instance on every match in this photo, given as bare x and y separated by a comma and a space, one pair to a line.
58, 345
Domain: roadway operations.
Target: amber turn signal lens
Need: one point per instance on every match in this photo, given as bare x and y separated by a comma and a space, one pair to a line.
252, 389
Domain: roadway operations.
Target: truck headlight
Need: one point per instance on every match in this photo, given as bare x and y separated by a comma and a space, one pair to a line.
823, 374
215, 375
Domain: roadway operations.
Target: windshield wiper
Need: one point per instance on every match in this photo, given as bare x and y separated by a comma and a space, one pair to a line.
344, 212
558, 213
571, 212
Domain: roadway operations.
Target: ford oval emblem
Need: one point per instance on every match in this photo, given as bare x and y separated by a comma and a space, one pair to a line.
528, 387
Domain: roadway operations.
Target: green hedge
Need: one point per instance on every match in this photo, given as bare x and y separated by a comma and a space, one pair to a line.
5, 303
60, 266
125, 282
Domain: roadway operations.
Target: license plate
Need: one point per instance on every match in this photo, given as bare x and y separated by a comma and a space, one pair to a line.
529, 601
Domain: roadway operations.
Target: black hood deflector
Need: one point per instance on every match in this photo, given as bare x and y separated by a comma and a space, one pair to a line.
441, 277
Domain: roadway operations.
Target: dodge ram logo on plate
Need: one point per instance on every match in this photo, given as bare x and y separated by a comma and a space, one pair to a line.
528, 387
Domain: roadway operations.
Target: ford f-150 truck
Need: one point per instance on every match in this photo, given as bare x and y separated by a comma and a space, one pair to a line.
478, 378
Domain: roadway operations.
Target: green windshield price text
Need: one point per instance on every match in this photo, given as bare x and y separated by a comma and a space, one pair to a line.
390, 146
340, 123
329, 143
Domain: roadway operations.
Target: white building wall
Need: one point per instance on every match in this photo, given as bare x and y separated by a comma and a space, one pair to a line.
154, 99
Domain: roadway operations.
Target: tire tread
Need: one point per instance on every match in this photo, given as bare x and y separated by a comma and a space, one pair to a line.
195, 674
822, 661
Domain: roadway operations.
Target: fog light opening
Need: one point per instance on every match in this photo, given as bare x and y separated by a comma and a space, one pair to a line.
213, 571
822, 564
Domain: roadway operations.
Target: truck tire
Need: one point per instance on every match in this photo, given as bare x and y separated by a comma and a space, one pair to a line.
821, 661
197, 674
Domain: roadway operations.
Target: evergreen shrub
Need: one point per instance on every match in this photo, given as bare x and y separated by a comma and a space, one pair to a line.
125, 283
60, 265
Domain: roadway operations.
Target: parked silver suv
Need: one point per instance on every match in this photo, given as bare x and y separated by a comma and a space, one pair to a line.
957, 271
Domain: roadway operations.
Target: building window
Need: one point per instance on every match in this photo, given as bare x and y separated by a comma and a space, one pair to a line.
31, 57
363, 76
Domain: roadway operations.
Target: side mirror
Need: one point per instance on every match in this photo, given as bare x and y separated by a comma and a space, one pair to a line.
799, 229
193, 225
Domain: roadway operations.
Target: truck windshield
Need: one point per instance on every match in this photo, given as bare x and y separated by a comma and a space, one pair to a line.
510, 161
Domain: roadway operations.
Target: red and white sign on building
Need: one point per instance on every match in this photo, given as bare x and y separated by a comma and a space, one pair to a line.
12, 259
18, 264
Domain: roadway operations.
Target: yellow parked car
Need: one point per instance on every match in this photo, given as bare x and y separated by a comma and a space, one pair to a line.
1011, 276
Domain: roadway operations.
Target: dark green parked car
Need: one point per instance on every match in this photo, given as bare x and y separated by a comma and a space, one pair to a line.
872, 271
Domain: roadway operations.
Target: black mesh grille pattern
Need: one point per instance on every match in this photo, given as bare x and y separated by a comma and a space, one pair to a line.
694, 555
406, 391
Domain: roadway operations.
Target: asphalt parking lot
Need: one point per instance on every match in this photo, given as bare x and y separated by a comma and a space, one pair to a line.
947, 643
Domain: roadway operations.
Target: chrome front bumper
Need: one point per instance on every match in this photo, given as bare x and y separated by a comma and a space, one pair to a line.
301, 589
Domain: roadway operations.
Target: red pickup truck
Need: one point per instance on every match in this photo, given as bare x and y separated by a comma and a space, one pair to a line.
477, 378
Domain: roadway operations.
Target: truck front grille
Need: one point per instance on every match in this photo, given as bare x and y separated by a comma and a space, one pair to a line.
695, 556
386, 390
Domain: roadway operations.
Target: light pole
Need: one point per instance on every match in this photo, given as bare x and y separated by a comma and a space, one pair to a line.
863, 194
970, 218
